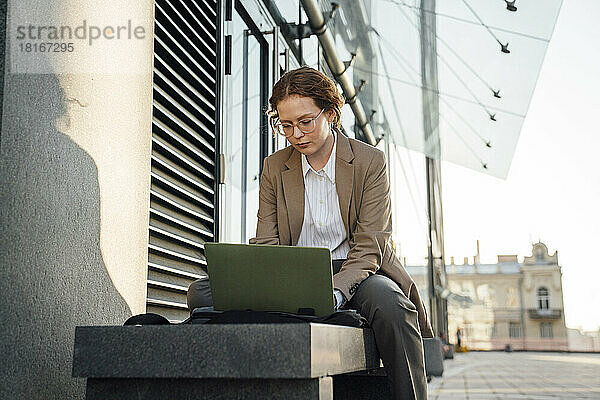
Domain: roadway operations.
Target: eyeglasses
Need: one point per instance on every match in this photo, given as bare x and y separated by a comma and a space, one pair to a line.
287, 129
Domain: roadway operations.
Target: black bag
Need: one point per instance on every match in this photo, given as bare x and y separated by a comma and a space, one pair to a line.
206, 315
147, 319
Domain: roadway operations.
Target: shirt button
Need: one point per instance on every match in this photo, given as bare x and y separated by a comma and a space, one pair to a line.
320, 201
321, 178
320, 224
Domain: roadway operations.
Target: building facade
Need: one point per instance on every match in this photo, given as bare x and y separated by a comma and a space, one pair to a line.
508, 303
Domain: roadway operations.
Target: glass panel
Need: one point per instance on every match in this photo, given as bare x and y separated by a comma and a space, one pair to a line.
477, 128
253, 117
241, 144
289, 10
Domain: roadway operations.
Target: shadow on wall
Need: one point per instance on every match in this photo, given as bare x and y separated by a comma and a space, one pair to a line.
52, 275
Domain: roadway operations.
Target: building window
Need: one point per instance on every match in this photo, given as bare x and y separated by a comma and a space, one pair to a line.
546, 330
487, 295
514, 330
543, 298
467, 331
494, 331
512, 297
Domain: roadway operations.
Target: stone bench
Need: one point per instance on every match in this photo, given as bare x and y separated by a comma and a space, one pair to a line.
241, 361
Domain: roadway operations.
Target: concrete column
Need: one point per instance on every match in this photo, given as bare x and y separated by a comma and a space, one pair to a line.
75, 151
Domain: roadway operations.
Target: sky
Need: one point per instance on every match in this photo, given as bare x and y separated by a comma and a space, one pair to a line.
552, 192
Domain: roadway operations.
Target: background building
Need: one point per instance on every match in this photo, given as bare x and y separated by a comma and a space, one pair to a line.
507, 303
584, 341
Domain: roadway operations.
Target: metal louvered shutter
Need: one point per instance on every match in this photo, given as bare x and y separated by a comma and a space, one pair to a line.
184, 143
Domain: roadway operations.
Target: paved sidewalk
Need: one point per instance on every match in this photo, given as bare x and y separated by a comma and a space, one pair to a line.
518, 375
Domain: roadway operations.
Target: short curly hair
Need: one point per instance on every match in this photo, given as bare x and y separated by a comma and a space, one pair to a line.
308, 82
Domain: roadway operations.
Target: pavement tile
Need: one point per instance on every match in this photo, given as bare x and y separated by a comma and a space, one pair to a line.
519, 375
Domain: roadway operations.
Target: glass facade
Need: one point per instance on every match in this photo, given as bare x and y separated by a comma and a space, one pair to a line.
246, 136
242, 130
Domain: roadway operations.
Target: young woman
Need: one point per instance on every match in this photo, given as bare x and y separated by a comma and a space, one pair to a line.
327, 190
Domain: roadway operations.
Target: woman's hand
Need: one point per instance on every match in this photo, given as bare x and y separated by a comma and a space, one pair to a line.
339, 298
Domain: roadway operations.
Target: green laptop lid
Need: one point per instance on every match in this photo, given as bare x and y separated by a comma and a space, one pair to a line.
270, 278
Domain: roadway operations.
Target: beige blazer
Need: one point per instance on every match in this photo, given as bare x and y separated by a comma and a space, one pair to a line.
364, 197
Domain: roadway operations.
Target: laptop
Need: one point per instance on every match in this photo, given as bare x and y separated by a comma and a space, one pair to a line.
270, 278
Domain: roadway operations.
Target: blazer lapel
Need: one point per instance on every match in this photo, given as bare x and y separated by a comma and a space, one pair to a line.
344, 177
293, 191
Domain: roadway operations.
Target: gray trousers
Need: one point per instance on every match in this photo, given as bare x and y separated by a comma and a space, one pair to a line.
393, 318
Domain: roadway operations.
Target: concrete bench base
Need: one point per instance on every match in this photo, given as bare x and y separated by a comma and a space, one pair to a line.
341, 387
209, 389
360, 387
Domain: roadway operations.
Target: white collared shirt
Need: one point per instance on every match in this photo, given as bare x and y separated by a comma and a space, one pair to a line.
323, 225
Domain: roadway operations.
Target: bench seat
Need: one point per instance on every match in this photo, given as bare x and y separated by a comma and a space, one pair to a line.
237, 361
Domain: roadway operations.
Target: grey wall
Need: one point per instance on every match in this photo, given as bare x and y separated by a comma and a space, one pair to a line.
53, 275
74, 197
3, 5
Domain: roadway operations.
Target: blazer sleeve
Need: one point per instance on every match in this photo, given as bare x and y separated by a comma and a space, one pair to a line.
266, 227
373, 229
